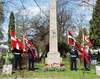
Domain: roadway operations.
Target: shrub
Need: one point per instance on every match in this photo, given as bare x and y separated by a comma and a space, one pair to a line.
7, 57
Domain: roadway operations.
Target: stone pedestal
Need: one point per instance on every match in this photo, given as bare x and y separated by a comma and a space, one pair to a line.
53, 59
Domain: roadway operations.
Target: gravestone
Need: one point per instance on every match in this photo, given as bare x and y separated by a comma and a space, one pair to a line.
7, 69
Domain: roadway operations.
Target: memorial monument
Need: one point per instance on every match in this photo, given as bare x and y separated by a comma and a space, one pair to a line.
53, 56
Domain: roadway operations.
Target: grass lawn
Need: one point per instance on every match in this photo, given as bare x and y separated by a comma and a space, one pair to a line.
67, 74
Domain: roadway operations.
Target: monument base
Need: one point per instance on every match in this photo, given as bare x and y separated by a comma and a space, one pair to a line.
53, 59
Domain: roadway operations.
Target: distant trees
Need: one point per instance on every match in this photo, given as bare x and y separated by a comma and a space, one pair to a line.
95, 25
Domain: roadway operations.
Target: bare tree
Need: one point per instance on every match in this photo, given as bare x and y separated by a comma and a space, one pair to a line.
22, 24
37, 27
1, 11
1, 19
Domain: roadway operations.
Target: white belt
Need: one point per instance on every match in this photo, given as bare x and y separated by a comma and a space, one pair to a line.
17, 53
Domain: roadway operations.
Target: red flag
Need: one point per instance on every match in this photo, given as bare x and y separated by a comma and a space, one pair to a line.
87, 40
28, 42
83, 52
12, 34
86, 56
13, 39
24, 46
13, 42
17, 44
20, 45
35, 54
78, 47
70, 39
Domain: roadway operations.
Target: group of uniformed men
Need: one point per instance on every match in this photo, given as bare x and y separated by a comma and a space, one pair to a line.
32, 56
74, 55
31, 52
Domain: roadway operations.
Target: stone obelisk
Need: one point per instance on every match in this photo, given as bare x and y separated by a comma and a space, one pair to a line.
53, 56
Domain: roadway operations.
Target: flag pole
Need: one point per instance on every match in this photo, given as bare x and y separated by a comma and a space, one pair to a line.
83, 44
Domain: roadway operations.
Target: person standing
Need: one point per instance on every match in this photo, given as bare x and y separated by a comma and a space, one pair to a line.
73, 59
98, 56
31, 58
17, 59
87, 62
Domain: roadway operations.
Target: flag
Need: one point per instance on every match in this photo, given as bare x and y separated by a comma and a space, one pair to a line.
20, 45
35, 54
24, 45
80, 49
70, 39
87, 40
78, 46
13, 40
28, 42
86, 56
17, 44
12, 34
83, 53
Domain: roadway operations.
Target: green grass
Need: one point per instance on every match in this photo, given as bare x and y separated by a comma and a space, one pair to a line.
67, 74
